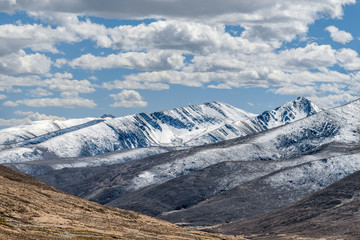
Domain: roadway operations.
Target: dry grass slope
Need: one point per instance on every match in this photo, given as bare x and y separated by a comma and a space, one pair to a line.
31, 209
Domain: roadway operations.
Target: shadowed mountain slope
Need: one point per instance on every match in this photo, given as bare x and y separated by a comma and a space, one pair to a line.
332, 213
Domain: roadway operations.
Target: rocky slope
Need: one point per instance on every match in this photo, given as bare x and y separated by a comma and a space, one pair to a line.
332, 213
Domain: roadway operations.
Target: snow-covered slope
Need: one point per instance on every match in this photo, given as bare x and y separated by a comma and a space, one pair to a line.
89, 137
292, 111
9, 137
185, 126
339, 125
40, 166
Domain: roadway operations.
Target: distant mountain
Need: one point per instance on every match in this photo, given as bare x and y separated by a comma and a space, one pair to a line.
108, 116
230, 180
332, 213
36, 148
88, 137
30, 209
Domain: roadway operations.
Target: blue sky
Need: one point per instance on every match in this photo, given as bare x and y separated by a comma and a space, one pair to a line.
75, 59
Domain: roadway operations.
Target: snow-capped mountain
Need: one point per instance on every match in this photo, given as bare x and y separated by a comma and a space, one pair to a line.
295, 110
14, 136
185, 126
196, 184
89, 137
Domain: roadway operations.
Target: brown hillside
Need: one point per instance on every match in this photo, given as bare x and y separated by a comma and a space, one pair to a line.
31, 209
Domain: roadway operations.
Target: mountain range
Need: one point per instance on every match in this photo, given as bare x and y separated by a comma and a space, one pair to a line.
235, 170
74, 143
203, 185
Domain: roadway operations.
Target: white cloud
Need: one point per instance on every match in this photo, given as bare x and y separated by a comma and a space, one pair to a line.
2, 96
66, 85
295, 90
290, 60
8, 82
127, 84
348, 59
40, 92
181, 35
128, 99
296, 66
57, 82
339, 35
263, 20
332, 100
30, 116
22, 63
53, 102
36, 37
332, 88
158, 60
186, 27
93, 78
312, 56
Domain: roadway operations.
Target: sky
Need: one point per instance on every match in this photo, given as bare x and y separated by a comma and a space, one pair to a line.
85, 58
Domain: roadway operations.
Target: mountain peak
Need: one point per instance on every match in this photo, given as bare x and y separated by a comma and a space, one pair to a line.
304, 104
298, 108
107, 116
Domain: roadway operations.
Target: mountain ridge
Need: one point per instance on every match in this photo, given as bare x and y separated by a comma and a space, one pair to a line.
309, 146
210, 122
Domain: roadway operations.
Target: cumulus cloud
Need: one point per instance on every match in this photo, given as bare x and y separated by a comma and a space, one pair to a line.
332, 87
22, 63
296, 90
40, 92
262, 20
332, 100
53, 102
339, 35
7, 83
29, 117
182, 28
304, 58
2, 96
158, 60
117, 84
236, 70
348, 59
128, 99
66, 85
181, 35
36, 37
60, 82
